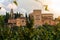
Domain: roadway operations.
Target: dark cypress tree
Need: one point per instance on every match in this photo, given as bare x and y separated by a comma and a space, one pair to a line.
29, 21
26, 19
16, 15
6, 17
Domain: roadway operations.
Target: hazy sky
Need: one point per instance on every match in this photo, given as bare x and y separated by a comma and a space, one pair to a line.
28, 5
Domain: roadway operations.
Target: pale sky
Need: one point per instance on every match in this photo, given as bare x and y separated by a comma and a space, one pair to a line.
29, 5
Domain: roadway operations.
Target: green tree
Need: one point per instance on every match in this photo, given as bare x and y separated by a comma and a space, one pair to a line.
6, 17
1, 20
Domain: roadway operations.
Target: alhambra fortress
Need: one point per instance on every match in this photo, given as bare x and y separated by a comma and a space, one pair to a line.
37, 15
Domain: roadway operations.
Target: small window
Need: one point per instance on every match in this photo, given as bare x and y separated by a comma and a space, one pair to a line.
37, 18
22, 20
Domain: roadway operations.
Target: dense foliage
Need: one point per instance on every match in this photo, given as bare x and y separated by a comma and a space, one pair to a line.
45, 32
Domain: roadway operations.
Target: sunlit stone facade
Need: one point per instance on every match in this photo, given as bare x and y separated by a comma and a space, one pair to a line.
38, 17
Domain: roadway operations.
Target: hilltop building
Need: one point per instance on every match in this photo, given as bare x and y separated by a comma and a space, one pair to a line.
19, 21
47, 18
41, 19
37, 15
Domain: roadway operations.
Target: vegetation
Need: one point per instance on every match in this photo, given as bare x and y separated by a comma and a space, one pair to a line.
45, 32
